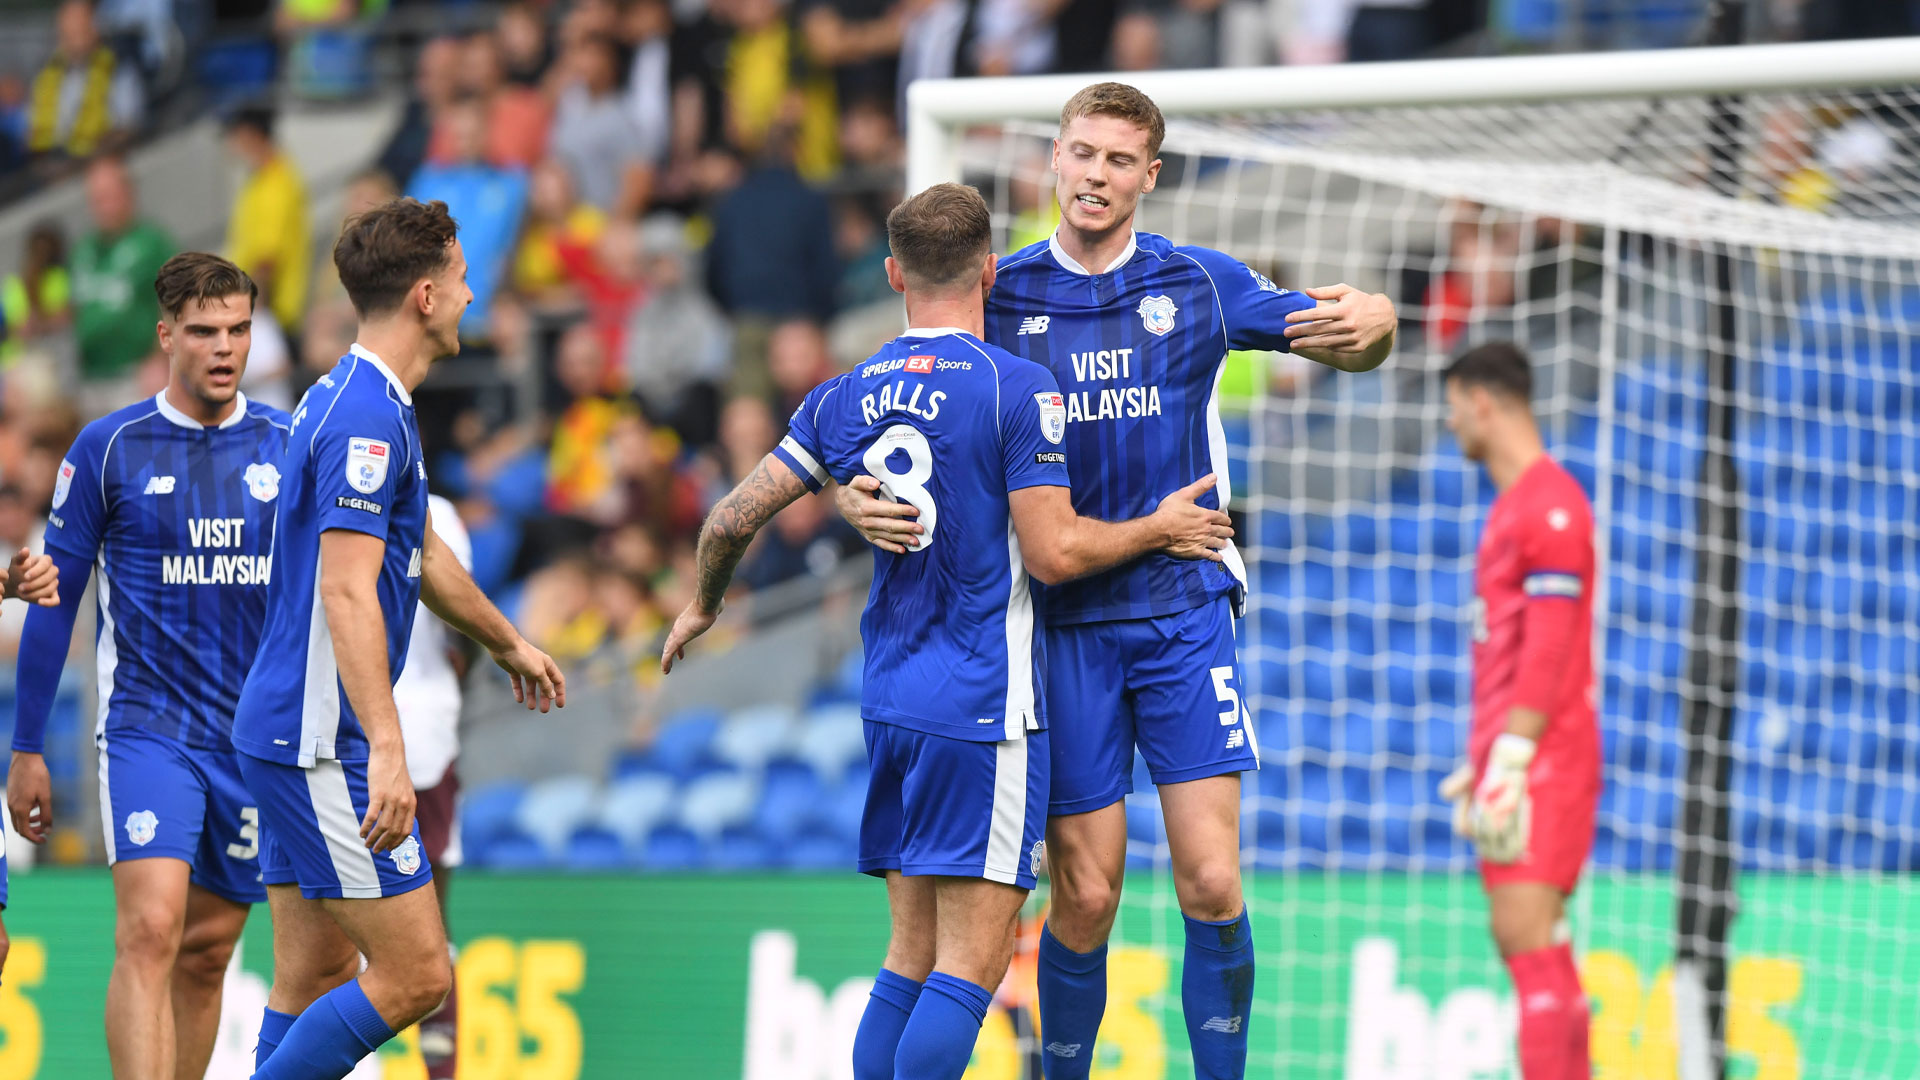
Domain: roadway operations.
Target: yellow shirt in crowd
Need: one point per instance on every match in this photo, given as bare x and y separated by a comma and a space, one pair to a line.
269, 228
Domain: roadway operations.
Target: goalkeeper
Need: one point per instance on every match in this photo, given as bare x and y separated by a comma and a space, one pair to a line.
1531, 785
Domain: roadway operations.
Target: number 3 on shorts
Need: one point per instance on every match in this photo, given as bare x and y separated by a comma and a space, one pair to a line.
1222, 677
249, 844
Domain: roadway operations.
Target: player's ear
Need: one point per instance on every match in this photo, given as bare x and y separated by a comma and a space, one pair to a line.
1153, 175
988, 271
423, 297
896, 278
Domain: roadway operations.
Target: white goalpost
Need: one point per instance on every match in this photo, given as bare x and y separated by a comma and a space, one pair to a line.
1713, 257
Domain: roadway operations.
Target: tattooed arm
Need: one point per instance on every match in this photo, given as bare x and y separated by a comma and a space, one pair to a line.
723, 539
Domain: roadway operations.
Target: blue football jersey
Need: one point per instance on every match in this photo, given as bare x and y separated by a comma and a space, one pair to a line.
178, 521
951, 425
1137, 351
353, 462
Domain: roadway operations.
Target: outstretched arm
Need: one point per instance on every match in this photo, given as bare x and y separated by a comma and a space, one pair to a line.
1350, 330
723, 540
450, 592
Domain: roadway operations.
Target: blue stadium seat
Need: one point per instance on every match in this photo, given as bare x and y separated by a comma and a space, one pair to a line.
819, 851
740, 849
513, 851
718, 801
839, 813
488, 813
788, 797
671, 847
552, 809
831, 739
633, 805
592, 848
683, 740
1143, 821
749, 737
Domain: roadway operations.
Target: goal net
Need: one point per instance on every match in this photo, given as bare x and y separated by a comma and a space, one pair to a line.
1690, 245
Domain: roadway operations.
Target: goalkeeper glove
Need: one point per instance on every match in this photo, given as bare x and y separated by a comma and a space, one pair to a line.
1502, 811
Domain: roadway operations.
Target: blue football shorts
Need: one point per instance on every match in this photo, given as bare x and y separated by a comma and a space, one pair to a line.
1169, 685
938, 805
163, 799
310, 832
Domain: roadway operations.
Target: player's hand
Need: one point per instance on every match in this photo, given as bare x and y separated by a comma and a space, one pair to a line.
1502, 810
885, 524
691, 624
1457, 789
390, 799
30, 796
33, 578
1192, 531
537, 681
1347, 321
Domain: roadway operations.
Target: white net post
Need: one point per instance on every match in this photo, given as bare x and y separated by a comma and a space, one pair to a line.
1561, 202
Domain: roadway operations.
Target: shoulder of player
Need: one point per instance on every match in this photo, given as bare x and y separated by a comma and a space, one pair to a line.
1025, 260
97, 435
270, 416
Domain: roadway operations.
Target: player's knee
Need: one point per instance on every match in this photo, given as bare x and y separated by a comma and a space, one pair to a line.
148, 934
203, 962
1211, 891
1086, 902
431, 984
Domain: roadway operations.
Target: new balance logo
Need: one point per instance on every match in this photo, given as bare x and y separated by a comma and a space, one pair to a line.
1065, 1050
1236, 738
159, 485
1034, 324
1225, 1025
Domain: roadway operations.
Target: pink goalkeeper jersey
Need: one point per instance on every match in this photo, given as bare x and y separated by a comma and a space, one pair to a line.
1533, 619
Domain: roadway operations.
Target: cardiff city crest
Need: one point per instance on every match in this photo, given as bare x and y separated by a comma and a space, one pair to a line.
263, 481
406, 857
141, 825
1156, 314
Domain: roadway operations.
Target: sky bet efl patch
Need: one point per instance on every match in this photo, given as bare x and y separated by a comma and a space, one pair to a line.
367, 464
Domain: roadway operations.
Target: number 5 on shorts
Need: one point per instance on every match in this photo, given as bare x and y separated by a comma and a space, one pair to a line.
1228, 696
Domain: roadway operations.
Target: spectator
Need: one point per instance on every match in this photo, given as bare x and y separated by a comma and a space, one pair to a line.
860, 41
797, 361
677, 343
556, 218
593, 132
434, 87
268, 233
747, 434
1167, 34
19, 527
330, 321
770, 89
13, 122
658, 495
861, 241
772, 252
85, 99
487, 200
646, 31
1013, 37
328, 45
525, 51
580, 468
113, 270
516, 117
37, 301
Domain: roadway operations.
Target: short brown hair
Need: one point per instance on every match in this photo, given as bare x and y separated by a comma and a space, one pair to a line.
1122, 101
384, 252
942, 235
199, 275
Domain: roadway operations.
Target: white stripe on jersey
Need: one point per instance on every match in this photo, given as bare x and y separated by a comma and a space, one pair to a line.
106, 807
1009, 812
1217, 454
106, 658
1019, 644
320, 704
1552, 584
807, 461
340, 827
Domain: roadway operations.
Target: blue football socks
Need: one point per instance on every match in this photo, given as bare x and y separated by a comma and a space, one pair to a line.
329, 1039
938, 1041
273, 1028
888, 1008
1216, 991
1073, 998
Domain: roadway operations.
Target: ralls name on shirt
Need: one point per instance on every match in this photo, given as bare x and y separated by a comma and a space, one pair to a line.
216, 569
898, 396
